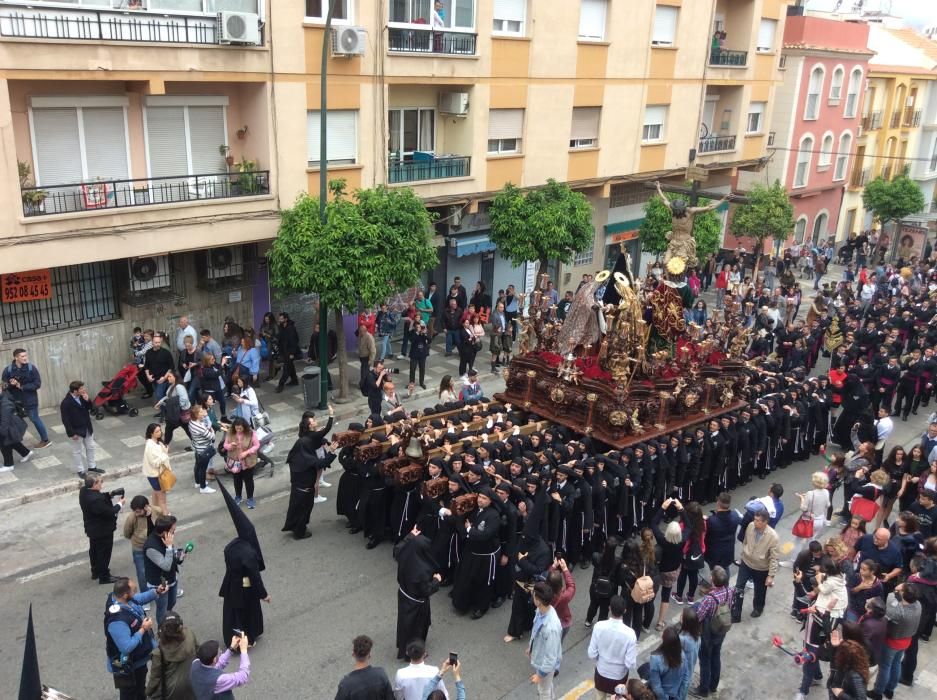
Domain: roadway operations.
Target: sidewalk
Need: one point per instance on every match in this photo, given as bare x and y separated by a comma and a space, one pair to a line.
120, 439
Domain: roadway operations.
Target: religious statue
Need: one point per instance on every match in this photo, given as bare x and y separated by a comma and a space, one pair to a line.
582, 323
680, 239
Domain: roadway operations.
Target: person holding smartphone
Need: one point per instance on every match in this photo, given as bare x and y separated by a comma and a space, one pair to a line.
432, 692
410, 681
207, 677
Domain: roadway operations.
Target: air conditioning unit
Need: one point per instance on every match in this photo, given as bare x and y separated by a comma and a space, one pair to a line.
148, 273
224, 262
239, 28
349, 41
456, 103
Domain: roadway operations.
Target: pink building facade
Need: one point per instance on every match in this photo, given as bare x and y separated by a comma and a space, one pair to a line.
817, 119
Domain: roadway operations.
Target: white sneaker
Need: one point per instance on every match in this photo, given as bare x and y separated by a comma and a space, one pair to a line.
800, 696
180, 593
320, 499
323, 482
146, 608
750, 584
26, 457
5, 469
787, 563
207, 489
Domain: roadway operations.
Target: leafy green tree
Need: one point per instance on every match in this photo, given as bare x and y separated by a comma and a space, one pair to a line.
543, 224
368, 250
707, 227
769, 214
892, 201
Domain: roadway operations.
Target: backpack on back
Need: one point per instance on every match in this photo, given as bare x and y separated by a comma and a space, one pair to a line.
643, 589
721, 620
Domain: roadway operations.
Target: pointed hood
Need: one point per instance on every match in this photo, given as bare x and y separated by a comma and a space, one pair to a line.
243, 525
30, 686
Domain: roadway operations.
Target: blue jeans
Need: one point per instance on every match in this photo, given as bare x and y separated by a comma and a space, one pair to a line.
165, 602
385, 346
138, 559
710, 660
160, 390
37, 421
452, 340
889, 670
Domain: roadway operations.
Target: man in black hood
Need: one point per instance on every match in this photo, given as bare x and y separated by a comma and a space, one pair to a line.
418, 578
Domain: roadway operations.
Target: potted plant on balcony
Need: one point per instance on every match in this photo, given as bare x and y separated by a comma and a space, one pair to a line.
33, 199
225, 152
246, 182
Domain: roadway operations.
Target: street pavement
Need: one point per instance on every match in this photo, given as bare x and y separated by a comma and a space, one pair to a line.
325, 590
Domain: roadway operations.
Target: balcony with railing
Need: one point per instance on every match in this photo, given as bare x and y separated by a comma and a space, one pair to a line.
728, 58
860, 177
895, 119
412, 40
912, 117
872, 121
100, 195
133, 21
716, 144
421, 166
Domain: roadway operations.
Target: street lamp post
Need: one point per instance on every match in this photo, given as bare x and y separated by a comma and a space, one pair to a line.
323, 196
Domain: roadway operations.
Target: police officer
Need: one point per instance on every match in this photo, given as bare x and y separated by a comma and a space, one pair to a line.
129, 637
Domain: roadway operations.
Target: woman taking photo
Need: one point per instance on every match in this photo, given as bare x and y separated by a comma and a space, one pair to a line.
243, 394
203, 444
156, 461
242, 445
693, 551
172, 661
175, 406
671, 538
307, 459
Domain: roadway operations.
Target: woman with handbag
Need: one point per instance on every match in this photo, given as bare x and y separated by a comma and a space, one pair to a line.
172, 661
812, 520
177, 411
242, 446
156, 466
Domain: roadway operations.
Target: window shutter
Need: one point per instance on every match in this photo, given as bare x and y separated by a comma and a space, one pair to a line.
509, 10
585, 123
654, 114
665, 25
58, 155
105, 143
592, 19
165, 132
343, 135
766, 31
206, 133
505, 123
312, 137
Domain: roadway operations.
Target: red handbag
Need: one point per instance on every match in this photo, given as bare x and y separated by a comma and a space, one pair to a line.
803, 527
863, 507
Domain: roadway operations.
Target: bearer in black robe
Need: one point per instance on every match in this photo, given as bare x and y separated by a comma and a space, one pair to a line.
474, 581
242, 587
533, 560
349, 483
418, 578
508, 535
307, 458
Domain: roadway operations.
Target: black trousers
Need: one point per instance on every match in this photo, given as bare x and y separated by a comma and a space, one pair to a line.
904, 399
144, 381
289, 372
242, 478
7, 451
99, 553
133, 687
418, 362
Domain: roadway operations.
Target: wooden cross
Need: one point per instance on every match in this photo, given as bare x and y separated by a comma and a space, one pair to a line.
693, 193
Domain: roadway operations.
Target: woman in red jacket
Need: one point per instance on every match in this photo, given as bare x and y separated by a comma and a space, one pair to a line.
564, 588
722, 284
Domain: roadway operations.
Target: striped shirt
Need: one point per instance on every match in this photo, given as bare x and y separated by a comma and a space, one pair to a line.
707, 605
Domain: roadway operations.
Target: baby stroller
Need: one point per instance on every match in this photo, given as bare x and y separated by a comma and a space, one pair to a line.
111, 396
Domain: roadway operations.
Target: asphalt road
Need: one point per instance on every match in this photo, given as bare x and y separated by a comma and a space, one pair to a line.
326, 590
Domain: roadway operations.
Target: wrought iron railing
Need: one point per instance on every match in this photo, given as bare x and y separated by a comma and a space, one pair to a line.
120, 194
727, 57
411, 40
434, 169
712, 144
87, 24
860, 177
872, 121
912, 117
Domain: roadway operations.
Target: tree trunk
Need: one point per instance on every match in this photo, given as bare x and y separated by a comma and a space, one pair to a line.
342, 355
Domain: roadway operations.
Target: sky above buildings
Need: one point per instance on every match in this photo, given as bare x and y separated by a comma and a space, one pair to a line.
917, 13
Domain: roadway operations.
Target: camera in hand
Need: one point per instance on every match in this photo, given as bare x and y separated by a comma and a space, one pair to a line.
116, 493
394, 370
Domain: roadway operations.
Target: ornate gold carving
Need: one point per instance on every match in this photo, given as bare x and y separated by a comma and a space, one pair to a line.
618, 418
592, 397
557, 395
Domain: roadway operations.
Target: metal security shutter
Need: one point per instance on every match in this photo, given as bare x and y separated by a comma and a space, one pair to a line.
206, 133
342, 131
105, 143
585, 123
165, 133
505, 123
58, 154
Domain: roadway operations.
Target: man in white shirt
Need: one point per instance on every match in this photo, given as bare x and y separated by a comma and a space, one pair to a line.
411, 680
614, 649
884, 427
185, 329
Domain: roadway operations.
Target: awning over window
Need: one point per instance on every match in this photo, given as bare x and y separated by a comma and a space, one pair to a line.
471, 245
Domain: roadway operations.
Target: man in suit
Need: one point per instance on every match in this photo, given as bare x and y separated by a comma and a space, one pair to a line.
76, 417
99, 513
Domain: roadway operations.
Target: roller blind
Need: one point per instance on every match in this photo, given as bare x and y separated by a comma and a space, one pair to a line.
105, 143
585, 123
665, 25
766, 31
510, 10
592, 19
58, 154
342, 132
206, 134
505, 123
166, 142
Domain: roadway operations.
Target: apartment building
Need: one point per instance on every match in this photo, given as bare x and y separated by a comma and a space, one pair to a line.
901, 76
602, 94
817, 119
139, 174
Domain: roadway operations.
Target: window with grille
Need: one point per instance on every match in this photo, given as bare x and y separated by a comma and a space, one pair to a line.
584, 257
81, 295
626, 193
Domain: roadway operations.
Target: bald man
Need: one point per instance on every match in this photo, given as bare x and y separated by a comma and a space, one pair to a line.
880, 548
